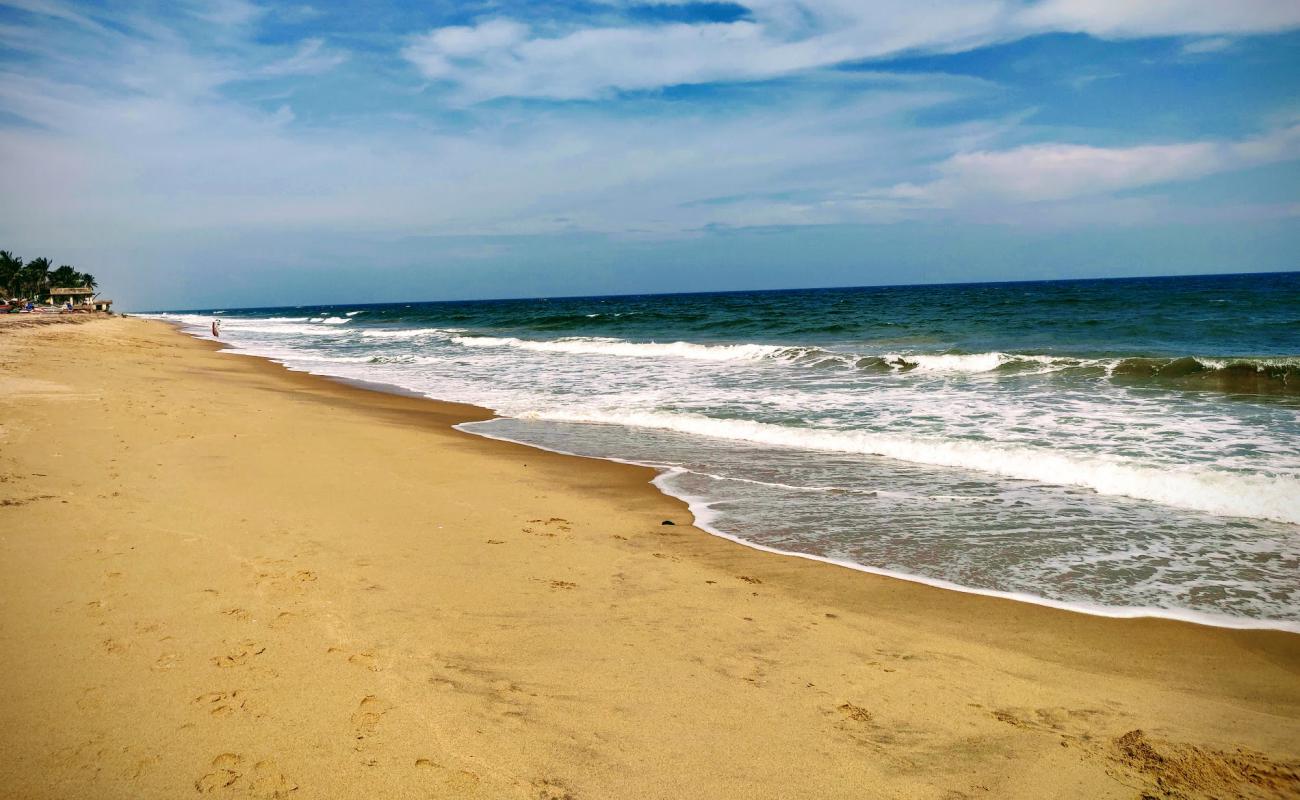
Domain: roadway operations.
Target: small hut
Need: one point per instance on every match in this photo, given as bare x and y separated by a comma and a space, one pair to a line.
82, 298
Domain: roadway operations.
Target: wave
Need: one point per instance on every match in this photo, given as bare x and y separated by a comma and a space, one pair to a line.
808, 356
1245, 375
1233, 375
1211, 491
706, 519
408, 333
619, 347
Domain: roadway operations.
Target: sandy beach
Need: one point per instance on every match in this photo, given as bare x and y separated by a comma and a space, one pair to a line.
223, 578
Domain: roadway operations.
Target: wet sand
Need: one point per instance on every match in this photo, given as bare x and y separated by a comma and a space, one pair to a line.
223, 578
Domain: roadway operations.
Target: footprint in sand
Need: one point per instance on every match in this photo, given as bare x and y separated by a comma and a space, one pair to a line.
459, 780
552, 789
166, 661
224, 703
278, 575
239, 654
365, 720
853, 712
548, 527
269, 783
365, 658
113, 647
224, 774
229, 775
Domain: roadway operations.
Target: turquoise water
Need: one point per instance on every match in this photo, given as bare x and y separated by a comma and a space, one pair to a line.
1121, 447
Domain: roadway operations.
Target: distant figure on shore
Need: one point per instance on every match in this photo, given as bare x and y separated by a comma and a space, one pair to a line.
216, 329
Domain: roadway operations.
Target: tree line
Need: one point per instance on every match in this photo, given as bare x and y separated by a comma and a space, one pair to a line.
34, 279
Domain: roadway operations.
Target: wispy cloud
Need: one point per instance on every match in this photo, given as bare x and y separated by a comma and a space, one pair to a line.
1214, 44
311, 58
503, 57
1050, 172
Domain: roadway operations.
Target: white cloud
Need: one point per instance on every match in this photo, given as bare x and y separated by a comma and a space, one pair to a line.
310, 59
500, 58
227, 13
1215, 44
167, 156
504, 58
55, 9
1051, 172
1139, 18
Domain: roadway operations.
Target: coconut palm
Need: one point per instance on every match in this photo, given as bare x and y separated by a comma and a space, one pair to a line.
65, 277
10, 266
88, 281
35, 276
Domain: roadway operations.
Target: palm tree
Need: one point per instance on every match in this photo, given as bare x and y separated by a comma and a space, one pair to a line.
88, 280
35, 277
65, 277
10, 266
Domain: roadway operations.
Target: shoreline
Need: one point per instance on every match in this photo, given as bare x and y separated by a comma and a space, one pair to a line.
701, 519
228, 576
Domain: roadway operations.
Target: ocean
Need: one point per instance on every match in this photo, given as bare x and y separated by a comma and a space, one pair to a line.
1120, 447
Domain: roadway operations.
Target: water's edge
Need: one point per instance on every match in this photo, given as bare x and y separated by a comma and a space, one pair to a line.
702, 518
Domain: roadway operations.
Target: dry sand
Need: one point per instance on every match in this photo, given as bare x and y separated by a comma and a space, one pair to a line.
223, 578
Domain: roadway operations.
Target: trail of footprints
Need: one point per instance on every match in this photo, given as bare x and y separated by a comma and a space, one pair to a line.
235, 774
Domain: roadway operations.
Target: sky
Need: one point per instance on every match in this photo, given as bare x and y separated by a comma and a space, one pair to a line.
231, 153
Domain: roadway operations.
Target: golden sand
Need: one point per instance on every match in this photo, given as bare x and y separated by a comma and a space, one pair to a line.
222, 578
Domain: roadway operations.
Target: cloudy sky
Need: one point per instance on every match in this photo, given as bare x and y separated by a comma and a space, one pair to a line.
202, 154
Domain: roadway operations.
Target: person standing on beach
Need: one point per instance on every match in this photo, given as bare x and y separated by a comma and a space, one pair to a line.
216, 329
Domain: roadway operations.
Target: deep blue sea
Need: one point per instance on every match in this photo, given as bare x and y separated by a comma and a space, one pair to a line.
1120, 447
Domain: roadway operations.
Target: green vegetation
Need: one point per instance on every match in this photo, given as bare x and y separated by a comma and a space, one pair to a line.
35, 279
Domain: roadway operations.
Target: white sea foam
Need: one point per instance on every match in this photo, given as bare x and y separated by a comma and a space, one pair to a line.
619, 347
1271, 497
406, 333
809, 356
980, 362
705, 518
973, 362
279, 326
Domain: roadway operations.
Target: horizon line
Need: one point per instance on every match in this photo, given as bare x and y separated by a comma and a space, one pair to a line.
1291, 271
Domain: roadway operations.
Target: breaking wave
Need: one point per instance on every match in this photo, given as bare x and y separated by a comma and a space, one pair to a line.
619, 347
1254, 375
1212, 491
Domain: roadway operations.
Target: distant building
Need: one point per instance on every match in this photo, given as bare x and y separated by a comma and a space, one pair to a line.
82, 298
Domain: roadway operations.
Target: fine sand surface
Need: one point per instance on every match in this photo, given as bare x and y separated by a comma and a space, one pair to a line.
221, 578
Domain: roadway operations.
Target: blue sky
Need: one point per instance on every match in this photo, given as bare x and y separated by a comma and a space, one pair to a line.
235, 153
